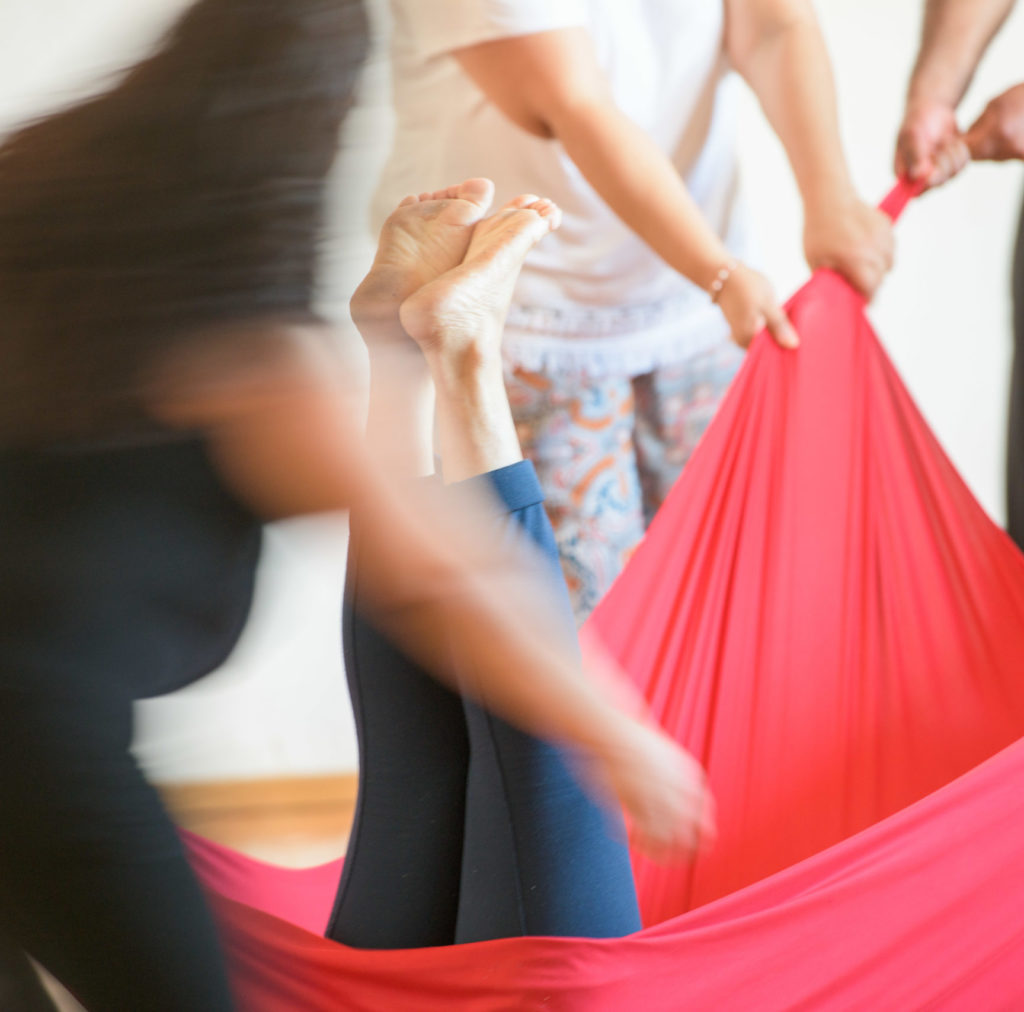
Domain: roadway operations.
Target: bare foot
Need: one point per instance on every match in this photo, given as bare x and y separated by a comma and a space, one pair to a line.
465, 308
424, 237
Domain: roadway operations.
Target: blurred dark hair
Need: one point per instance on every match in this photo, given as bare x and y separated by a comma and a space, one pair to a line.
190, 194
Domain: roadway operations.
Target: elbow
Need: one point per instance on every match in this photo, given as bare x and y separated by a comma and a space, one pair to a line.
747, 50
552, 120
579, 120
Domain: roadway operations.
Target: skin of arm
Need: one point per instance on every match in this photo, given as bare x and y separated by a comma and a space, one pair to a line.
955, 36
778, 48
551, 85
284, 434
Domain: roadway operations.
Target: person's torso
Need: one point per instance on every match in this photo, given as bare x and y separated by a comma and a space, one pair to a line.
666, 66
121, 562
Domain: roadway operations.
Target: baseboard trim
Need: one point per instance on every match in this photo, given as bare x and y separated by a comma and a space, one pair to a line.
235, 812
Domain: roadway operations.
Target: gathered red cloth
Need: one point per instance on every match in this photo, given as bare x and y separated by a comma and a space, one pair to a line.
821, 612
825, 616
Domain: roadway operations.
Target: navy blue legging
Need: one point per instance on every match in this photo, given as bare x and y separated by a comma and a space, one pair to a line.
467, 829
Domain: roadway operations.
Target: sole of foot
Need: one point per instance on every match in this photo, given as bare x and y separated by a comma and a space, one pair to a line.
424, 237
465, 307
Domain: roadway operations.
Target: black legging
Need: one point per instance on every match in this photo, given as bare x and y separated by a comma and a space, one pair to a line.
124, 572
95, 883
1015, 434
466, 829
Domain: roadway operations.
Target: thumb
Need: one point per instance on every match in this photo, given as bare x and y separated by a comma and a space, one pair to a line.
981, 137
912, 161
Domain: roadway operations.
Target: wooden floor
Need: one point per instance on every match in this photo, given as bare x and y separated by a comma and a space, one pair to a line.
296, 823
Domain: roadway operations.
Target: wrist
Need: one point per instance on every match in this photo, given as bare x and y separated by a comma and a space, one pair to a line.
821, 199
938, 85
722, 279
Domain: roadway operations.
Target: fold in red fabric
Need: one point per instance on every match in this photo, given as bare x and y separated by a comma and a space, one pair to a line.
921, 911
823, 614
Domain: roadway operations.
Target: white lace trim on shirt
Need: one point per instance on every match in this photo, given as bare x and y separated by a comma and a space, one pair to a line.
627, 341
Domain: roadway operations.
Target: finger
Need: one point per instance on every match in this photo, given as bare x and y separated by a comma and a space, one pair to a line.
868, 273
889, 250
873, 278
982, 138
951, 161
911, 157
943, 168
955, 156
744, 335
899, 165
781, 329
961, 154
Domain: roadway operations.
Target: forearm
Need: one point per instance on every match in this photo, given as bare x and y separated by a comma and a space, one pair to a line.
552, 85
955, 36
435, 579
640, 184
786, 63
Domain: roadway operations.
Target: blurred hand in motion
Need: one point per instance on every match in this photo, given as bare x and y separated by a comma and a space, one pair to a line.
749, 304
851, 238
998, 133
930, 148
662, 788
629, 759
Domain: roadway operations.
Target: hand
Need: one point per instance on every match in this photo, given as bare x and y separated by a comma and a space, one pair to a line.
930, 148
661, 787
851, 238
750, 305
998, 134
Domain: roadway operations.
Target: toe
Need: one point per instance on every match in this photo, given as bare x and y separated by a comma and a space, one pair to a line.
549, 211
411, 199
523, 201
476, 191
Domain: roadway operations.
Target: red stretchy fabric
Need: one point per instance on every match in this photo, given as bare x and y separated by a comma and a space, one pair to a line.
919, 912
823, 614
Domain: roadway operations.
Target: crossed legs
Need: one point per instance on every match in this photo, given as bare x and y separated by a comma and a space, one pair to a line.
466, 828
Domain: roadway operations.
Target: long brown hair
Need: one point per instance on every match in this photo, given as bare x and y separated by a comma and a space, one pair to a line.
190, 194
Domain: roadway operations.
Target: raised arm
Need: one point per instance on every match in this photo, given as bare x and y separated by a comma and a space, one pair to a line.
778, 48
955, 36
551, 84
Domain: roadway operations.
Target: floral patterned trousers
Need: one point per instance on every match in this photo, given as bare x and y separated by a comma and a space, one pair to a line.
608, 451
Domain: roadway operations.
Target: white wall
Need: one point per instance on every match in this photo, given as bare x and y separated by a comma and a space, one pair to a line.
279, 706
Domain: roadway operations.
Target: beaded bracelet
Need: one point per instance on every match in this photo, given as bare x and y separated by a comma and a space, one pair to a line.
721, 278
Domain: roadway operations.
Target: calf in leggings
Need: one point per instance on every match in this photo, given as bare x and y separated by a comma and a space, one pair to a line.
167, 389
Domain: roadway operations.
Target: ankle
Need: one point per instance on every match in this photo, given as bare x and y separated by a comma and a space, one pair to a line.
469, 363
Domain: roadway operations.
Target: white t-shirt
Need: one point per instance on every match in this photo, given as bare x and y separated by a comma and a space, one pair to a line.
593, 297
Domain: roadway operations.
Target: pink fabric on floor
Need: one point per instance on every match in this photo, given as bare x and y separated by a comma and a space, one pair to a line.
823, 613
300, 896
921, 911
